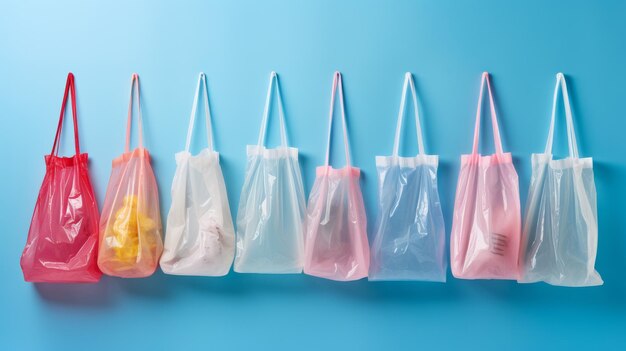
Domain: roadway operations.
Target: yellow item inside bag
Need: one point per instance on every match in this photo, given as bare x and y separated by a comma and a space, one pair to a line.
128, 228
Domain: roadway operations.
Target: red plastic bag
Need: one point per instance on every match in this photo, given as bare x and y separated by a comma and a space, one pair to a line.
63, 236
130, 230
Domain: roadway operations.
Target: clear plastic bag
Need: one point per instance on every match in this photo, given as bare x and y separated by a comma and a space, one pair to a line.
409, 241
271, 208
62, 245
560, 236
130, 227
199, 238
485, 238
336, 244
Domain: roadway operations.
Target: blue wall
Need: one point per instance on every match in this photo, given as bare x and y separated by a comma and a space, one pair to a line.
447, 44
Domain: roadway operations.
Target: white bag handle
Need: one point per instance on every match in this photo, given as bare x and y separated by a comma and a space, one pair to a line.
408, 81
337, 85
207, 113
571, 135
494, 119
266, 112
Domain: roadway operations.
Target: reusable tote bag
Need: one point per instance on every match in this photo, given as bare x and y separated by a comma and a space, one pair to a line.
485, 236
130, 227
271, 209
62, 240
336, 244
199, 238
410, 232
560, 235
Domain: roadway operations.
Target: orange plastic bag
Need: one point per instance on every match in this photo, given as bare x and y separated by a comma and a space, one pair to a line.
130, 226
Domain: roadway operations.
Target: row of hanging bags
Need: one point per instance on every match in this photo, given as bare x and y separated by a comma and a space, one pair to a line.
199, 237
409, 239
271, 208
486, 226
62, 244
336, 245
130, 227
560, 235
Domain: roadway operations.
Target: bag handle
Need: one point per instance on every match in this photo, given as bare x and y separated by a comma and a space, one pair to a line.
207, 113
494, 119
70, 90
266, 112
571, 135
338, 86
134, 79
408, 81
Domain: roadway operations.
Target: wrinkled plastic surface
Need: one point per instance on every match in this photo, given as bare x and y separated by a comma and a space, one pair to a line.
561, 224
271, 213
63, 236
486, 227
200, 238
409, 239
130, 227
336, 226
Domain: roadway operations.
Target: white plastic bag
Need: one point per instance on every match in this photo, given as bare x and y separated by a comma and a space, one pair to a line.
560, 235
200, 238
409, 242
272, 207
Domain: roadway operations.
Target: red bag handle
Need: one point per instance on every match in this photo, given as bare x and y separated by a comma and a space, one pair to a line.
69, 88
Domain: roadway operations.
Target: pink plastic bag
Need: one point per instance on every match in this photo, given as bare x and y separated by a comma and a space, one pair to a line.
336, 244
486, 227
130, 228
63, 236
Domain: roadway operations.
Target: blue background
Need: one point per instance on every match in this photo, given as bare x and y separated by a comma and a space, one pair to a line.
446, 44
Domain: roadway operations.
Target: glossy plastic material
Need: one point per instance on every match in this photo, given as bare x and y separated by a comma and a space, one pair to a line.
130, 227
199, 238
271, 208
63, 236
486, 226
409, 241
560, 236
336, 244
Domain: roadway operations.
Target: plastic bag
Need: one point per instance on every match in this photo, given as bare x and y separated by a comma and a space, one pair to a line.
409, 242
336, 244
271, 208
199, 238
486, 227
560, 236
130, 227
62, 240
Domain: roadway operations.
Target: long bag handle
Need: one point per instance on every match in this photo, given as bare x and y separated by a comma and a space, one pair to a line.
338, 86
268, 100
70, 91
134, 83
571, 135
494, 119
408, 81
207, 113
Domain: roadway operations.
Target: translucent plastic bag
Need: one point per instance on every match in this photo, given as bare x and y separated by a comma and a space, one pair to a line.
62, 240
199, 238
130, 227
336, 244
485, 238
271, 208
560, 236
409, 242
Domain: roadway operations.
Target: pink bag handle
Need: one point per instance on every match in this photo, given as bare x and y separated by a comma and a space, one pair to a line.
571, 135
337, 85
494, 119
69, 88
266, 112
207, 113
134, 79
408, 81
